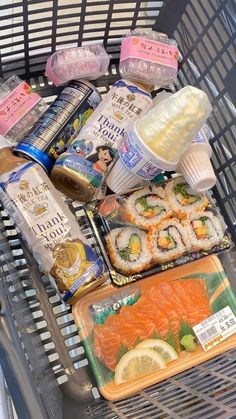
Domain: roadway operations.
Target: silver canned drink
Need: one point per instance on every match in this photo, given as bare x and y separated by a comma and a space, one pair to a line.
60, 124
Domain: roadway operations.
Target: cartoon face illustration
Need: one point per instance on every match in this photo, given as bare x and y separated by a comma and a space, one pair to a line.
102, 158
24, 185
82, 147
66, 254
104, 155
70, 263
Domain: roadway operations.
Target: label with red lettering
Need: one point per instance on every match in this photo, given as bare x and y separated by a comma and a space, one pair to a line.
149, 50
16, 105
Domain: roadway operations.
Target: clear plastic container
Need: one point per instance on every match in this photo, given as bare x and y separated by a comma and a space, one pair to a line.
20, 108
149, 57
89, 62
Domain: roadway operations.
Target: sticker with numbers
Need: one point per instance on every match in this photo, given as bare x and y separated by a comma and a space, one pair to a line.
216, 328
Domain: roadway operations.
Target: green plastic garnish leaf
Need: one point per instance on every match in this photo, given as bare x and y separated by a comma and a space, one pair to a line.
185, 329
156, 335
122, 351
137, 341
171, 339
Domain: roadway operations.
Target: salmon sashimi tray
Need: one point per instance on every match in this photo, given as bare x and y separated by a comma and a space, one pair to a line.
156, 228
165, 324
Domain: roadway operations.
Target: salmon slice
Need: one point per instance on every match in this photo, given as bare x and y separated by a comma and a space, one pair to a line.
193, 294
168, 308
106, 346
144, 328
199, 294
168, 292
119, 325
148, 310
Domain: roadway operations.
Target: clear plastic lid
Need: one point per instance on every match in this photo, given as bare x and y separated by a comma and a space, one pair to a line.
6, 86
149, 57
154, 35
89, 62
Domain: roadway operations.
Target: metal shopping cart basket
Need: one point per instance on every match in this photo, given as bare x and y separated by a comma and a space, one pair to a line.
45, 368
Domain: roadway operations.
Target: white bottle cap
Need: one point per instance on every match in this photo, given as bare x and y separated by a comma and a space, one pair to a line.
3, 142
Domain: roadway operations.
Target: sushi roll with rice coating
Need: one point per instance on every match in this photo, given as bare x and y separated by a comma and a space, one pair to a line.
128, 249
205, 231
168, 241
182, 200
147, 206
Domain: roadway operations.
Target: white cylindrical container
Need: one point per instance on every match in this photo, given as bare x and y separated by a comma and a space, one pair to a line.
136, 162
195, 164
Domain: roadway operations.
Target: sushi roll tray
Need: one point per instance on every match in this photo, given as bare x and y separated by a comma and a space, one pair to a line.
156, 228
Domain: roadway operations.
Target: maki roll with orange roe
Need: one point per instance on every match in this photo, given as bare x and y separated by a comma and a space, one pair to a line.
182, 200
205, 231
128, 249
147, 206
168, 241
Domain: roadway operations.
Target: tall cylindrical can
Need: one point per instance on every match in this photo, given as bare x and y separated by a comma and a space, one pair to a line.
60, 124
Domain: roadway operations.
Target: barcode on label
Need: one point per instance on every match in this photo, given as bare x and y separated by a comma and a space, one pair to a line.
208, 334
216, 328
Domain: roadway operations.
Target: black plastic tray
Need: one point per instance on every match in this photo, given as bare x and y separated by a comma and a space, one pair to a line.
102, 226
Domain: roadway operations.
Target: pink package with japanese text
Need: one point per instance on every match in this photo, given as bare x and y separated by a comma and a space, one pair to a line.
149, 57
20, 108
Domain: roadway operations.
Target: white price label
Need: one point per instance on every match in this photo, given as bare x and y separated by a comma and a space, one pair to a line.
216, 328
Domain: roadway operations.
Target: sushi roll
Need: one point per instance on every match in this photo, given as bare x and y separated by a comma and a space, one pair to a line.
147, 206
128, 249
168, 241
182, 200
205, 231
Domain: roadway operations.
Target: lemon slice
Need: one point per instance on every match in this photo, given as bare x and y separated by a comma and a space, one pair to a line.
137, 363
161, 347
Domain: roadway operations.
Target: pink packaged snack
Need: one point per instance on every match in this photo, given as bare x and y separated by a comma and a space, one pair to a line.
149, 57
89, 62
20, 108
